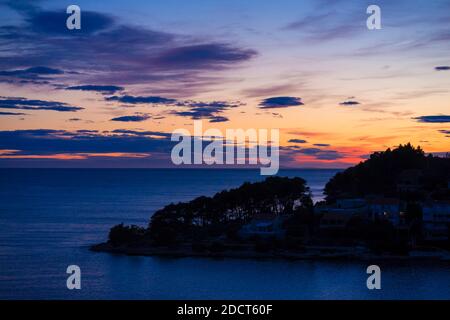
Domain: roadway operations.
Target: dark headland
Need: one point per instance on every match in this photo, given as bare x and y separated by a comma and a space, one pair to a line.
394, 205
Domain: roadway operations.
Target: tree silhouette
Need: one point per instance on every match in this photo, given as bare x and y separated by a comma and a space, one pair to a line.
383, 171
207, 216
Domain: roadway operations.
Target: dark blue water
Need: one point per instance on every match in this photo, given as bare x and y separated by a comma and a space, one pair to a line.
49, 217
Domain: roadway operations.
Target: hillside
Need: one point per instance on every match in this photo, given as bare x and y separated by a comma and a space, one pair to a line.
405, 172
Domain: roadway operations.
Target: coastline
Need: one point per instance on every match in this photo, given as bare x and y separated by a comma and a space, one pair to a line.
312, 253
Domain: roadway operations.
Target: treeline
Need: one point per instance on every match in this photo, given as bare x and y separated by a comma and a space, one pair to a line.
385, 172
226, 211
222, 214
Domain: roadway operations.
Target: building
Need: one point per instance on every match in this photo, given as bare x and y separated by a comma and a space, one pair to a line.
409, 181
337, 216
355, 203
344, 206
332, 220
264, 226
386, 208
436, 220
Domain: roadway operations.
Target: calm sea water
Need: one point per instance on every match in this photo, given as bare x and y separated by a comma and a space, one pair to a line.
49, 217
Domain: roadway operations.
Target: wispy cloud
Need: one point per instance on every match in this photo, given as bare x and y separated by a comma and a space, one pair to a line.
433, 119
218, 119
134, 118
33, 72
269, 90
213, 55
314, 153
321, 145
128, 99
105, 89
31, 76
298, 141
142, 133
26, 104
206, 110
349, 103
12, 114
48, 141
326, 25
108, 51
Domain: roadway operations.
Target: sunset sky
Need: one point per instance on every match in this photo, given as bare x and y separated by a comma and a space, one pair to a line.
110, 94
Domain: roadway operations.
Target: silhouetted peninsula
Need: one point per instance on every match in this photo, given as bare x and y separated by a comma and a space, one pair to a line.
394, 205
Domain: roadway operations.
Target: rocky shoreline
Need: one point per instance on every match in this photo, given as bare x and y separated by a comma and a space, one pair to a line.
313, 253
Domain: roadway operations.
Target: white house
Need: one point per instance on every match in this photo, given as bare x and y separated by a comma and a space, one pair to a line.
436, 220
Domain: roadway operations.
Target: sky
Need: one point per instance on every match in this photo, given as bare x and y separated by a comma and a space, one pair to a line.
110, 94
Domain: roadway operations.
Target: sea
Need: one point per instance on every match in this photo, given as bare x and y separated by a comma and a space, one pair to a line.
50, 217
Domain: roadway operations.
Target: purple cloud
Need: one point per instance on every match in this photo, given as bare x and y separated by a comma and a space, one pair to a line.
298, 141
142, 99
12, 114
135, 118
25, 104
321, 145
32, 72
106, 51
48, 141
433, 119
98, 88
206, 110
280, 102
350, 103
214, 55
218, 119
